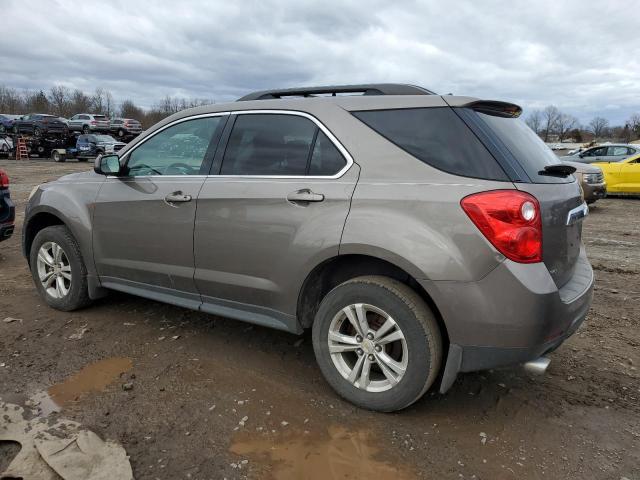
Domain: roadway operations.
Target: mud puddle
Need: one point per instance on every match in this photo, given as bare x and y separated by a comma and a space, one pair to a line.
95, 377
340, 454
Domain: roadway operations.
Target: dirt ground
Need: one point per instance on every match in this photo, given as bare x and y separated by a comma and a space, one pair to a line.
191, 395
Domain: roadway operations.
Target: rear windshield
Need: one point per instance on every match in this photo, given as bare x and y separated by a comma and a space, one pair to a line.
526, 147
99, 117
437, 137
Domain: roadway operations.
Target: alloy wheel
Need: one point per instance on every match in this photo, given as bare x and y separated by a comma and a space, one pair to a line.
367, 347
54, 270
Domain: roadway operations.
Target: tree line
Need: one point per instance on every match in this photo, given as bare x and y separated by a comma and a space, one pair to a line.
553, 125
64, 102
549, 123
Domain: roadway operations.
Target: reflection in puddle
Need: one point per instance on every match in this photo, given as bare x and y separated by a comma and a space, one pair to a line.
92, 378
342, 454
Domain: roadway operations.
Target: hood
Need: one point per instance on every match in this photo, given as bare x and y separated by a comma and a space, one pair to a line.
582, 167
78, 177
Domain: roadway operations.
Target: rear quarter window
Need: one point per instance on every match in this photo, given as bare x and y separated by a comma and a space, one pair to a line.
437, 137
525, 146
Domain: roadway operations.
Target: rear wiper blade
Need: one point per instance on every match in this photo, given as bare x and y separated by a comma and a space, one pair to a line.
558, 170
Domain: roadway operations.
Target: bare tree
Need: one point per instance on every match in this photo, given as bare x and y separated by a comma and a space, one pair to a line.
60, 100
534, 120
128, 109
108, 103
598, 126
634, 124
80, 102
550, 117
565, 124
36, 102
10, 100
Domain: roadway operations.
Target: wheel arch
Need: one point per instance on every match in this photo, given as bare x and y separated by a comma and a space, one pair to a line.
340, 268
34, 224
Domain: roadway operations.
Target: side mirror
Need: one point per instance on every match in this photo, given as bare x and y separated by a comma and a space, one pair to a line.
581, 155
107, 165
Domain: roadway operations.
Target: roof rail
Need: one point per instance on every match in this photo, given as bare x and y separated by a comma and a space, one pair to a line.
365, 89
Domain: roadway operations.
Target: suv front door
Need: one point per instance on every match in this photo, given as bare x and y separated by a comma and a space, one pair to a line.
143, 220
276, 209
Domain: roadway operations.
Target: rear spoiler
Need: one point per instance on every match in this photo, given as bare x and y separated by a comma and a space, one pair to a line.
495, 108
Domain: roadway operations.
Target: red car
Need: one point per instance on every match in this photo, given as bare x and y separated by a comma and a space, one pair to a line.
7, 209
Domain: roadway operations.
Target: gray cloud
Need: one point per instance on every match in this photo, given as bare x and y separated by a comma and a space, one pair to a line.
583, 60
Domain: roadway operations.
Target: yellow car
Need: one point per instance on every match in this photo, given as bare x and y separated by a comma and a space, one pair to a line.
622, 177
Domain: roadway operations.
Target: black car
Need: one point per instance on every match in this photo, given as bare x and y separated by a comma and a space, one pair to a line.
7, 209
40, 124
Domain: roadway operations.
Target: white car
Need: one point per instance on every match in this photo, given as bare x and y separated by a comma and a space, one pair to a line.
6, 145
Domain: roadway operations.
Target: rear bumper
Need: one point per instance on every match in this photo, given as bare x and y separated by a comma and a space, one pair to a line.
514, 314
7, 216
6, 231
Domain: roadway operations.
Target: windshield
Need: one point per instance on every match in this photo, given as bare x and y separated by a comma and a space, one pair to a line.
104, 138
527, 147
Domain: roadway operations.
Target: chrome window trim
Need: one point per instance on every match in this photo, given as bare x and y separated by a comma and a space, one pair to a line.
298, 113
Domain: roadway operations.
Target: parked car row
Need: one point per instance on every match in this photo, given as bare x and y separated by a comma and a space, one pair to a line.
38, 124
614, 152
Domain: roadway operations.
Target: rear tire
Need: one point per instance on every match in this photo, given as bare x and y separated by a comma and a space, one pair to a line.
120, 133
401, 370
58, 269
85, 129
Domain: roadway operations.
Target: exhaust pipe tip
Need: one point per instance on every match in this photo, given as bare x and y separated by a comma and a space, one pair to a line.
537, 366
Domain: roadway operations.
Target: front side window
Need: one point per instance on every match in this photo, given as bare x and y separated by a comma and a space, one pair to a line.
269, 144
596, 152
176, 150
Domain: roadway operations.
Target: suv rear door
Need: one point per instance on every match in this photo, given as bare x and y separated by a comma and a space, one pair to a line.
273, 208
143, 220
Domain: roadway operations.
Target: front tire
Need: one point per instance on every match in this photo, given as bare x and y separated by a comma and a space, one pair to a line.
377, 343
58, 269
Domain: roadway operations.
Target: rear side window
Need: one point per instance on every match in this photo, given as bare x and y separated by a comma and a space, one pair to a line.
437, 137
326, 160
526, 147
269, 144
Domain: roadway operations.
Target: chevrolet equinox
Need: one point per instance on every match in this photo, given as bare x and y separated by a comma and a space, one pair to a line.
417, 235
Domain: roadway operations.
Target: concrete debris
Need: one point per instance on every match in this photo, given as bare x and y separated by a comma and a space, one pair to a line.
11, 320
79, 333
52, 450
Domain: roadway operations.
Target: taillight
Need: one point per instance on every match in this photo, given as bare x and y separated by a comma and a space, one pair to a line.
4, 179
510, 220
93, 122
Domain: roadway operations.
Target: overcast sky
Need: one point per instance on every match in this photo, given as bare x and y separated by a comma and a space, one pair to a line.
581, 56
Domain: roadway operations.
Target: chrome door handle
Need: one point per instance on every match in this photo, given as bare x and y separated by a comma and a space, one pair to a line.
177, 197
305, 195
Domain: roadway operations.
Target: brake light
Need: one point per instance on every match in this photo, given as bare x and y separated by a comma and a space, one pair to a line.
4, 179
510, 220
93, 122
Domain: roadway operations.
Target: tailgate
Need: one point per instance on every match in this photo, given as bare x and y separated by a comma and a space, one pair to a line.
561, 232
